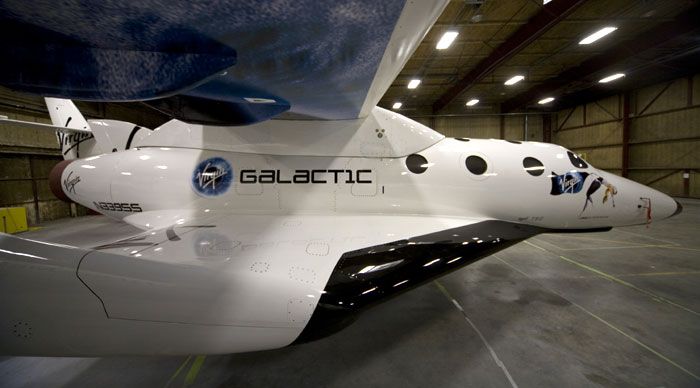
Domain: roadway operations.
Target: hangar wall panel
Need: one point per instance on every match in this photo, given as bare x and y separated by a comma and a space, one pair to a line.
24, 183
594, 135
603, 110
487, 126
479, 127
661, 97
664, 131
667, 155
681, 124
513, 128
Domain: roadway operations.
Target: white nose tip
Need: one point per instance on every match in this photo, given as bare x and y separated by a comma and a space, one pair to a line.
664, 206
679, 209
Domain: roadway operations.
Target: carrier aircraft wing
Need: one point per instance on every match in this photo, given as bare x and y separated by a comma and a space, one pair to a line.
226, 62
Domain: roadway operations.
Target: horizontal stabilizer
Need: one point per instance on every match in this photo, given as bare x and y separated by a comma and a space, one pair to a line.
31, 124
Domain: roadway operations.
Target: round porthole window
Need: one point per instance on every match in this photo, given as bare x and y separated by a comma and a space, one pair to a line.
476, 165
416, 164
533, 166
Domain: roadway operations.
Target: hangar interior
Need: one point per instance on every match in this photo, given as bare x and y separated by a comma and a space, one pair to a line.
602, 309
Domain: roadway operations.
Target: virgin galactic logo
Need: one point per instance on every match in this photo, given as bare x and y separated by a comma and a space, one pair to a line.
212, 177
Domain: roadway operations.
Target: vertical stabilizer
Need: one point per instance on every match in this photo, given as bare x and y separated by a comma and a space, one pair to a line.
65, 114
76, 140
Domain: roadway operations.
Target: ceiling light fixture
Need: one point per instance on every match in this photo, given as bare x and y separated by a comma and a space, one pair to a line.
446, 40
514, 80
597, 35
545, 100
472, 102
397, 105
413, 83
611, 78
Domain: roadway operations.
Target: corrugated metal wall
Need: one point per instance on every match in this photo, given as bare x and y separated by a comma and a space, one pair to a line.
664, 135
24, 183
488, 126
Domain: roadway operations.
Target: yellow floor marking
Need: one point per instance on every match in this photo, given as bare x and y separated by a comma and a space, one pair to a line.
684, 248
177, 372
610, 325
646, 274
626, 247
194, 370
591, 238
667, 245
612, 278
662, 273
536, 246
645, 236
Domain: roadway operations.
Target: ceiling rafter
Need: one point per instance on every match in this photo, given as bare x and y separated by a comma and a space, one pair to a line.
684, 23
546, 18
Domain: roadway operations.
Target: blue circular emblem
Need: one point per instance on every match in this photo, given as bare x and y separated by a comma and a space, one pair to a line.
212, 177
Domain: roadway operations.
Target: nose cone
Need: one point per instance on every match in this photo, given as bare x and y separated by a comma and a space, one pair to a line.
634, 203
679, 209
663, 206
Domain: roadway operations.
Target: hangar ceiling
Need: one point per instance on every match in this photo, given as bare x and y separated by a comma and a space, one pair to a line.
654, 41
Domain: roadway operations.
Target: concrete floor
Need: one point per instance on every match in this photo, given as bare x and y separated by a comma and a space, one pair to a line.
612, 309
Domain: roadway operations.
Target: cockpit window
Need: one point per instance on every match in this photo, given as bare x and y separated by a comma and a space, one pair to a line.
576, 160
533, 166
476, 165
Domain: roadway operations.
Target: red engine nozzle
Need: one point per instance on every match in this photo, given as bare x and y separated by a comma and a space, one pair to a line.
55, 183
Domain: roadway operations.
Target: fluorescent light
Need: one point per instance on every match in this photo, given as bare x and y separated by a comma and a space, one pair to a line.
611, 78
446, 40
545, 100
515, 80
545, 1
397, 105
472, 102
597, 35
414, 83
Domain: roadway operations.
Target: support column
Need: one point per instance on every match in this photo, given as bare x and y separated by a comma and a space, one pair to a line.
625, 134
503, 127
547, 128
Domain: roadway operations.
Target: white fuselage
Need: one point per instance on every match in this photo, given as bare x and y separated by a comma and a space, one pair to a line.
368, 175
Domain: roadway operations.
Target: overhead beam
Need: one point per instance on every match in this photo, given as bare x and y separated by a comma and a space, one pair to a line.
682, 24
548, 16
